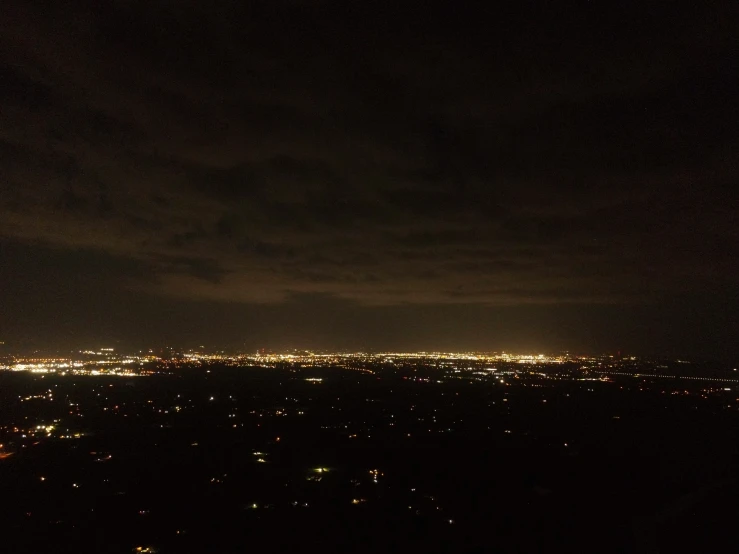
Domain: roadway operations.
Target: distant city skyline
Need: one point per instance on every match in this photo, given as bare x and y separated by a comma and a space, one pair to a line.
110, 361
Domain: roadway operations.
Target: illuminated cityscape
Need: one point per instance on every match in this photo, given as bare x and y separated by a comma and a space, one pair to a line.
108, 362
162, 443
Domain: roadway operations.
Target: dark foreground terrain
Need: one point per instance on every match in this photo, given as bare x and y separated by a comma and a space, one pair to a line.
221, 459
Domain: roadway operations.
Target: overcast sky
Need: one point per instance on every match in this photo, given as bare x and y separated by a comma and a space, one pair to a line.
360, 175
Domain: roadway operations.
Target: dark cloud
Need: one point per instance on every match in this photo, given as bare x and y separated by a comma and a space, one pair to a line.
204, 269
380, 155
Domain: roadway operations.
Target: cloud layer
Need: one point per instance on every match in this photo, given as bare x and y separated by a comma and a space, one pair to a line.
380, 155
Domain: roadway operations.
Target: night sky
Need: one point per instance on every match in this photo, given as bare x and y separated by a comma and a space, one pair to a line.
307, 174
